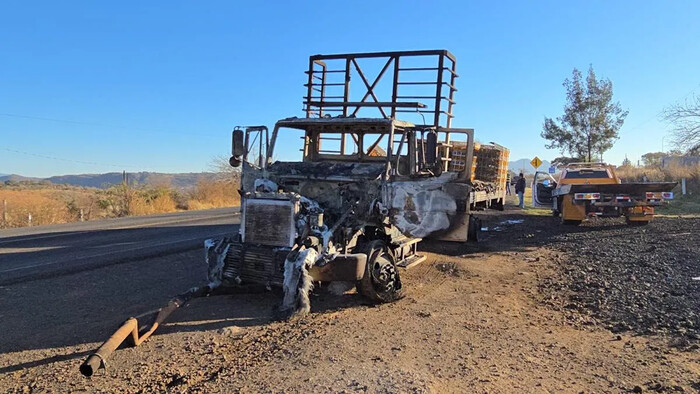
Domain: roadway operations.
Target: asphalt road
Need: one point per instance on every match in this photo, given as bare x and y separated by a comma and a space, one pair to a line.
44, 251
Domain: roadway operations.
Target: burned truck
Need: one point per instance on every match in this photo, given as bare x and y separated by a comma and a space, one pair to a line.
365, 191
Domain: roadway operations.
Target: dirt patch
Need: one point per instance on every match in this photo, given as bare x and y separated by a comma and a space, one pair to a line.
477, 316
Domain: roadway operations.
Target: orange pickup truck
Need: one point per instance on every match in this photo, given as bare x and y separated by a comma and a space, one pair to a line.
593, 189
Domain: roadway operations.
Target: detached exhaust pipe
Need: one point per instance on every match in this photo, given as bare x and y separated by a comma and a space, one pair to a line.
130, 329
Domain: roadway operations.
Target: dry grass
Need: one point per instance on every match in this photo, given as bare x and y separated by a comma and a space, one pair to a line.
149, 202
40, 205
53, 204
674, 173
214, 194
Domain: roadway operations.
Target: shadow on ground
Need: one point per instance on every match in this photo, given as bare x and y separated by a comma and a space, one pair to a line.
516, 230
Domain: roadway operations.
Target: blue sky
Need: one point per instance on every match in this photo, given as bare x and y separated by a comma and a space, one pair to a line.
158, 86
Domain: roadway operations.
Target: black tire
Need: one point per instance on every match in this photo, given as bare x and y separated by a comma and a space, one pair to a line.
570, 222
555, 213
474, 229
381, 282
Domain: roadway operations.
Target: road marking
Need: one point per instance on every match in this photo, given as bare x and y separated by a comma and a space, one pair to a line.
27, 250
40, 236
122, 251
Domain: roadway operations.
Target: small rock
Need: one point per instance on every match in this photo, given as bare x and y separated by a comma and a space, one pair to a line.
231, 331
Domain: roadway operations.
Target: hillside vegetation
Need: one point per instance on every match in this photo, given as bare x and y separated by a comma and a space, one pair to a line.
30, 203
103, 181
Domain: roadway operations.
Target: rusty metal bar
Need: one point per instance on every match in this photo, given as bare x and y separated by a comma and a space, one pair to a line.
371, 96
310, 91
327, 84
323, 92
452, 93
428, 52
426, 69
346, 91
395, 86
422, 97
370, 89
400, 104
130, 329
328, 97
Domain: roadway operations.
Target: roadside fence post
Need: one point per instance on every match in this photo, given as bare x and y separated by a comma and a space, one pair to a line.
683, 186
29, 219
82, 217
4, 213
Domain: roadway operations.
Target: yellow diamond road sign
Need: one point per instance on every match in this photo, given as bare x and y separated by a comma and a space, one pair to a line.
536, 162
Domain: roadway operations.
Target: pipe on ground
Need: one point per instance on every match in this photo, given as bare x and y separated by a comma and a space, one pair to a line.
130, 328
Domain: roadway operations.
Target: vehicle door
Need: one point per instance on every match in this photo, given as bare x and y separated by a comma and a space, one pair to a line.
542, 186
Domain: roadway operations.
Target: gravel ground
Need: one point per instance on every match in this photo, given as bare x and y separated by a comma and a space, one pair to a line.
637, 279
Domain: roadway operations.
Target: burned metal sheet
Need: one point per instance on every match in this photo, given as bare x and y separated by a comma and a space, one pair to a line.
422, 207
326, 170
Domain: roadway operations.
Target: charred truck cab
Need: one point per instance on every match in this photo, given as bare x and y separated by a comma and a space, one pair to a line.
365, 192
352, 215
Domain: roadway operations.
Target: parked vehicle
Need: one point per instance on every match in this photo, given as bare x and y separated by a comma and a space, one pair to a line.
593, 189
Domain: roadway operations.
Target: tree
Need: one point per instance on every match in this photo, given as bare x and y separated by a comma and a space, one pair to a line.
685, 119
627, 162
561, 161
653, 159
591, 120
223, 170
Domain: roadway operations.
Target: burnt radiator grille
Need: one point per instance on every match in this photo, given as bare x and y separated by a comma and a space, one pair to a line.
269, 222
255, 264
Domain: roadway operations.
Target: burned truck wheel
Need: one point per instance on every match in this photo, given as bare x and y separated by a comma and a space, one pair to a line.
381, 282
474, 229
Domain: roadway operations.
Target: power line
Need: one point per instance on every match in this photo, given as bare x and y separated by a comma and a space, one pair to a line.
52, 119
68, 160
644, 122
78, 122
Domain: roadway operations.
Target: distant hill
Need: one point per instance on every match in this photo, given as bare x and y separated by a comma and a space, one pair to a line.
18, 178
524, 165
178, 180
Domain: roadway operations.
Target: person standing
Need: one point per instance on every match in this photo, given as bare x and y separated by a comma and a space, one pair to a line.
520, 190
508, 180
